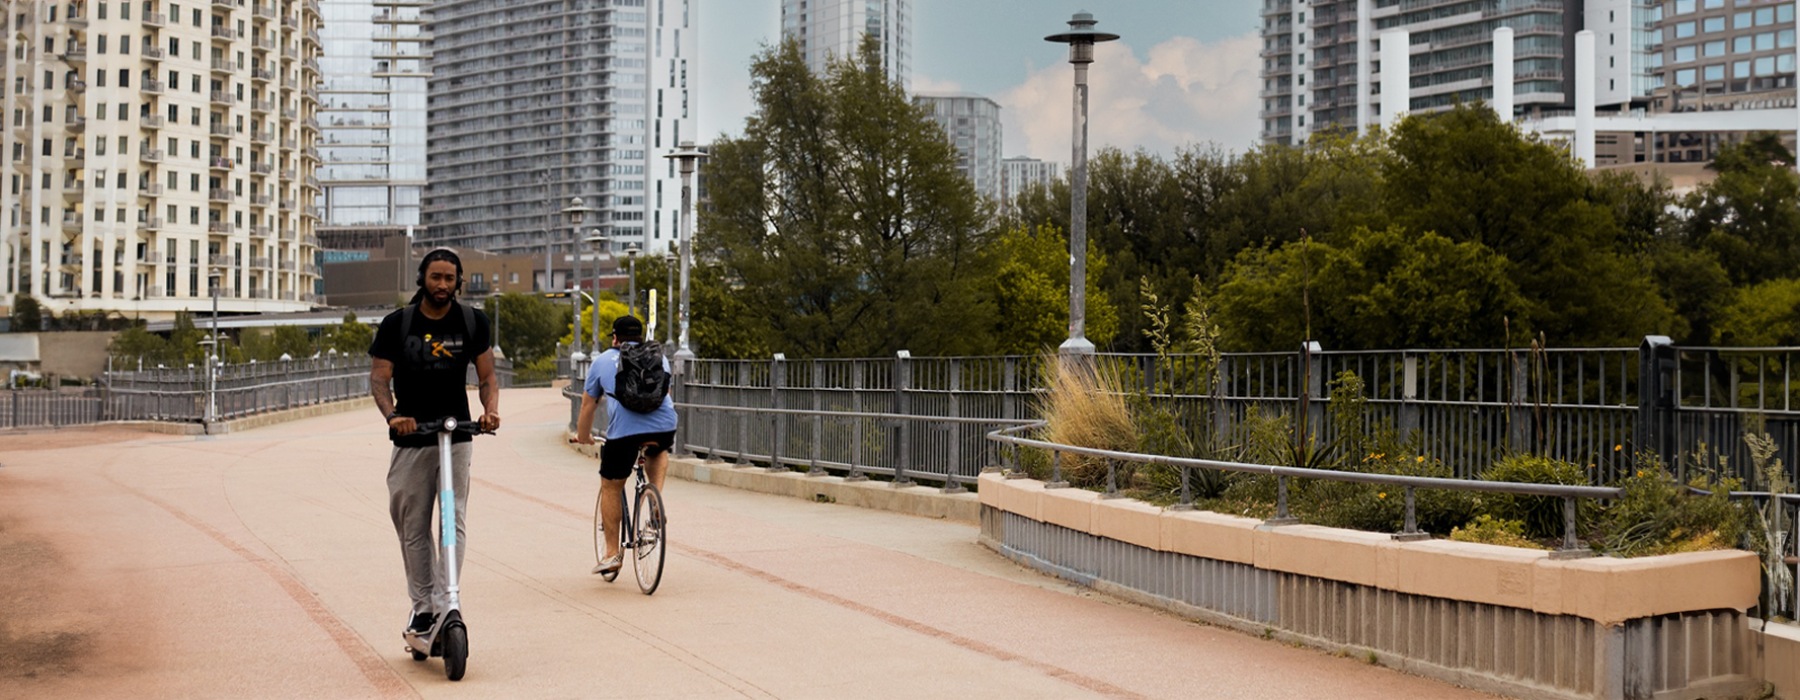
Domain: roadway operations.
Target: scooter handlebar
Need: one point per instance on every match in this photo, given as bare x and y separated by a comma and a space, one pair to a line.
449, 424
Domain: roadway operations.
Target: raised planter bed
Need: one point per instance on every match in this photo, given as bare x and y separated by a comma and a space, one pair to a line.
1508, 620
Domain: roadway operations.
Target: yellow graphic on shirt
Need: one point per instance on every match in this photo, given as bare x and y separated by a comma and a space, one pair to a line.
437, 347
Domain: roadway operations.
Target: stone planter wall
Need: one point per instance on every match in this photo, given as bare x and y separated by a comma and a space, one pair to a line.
1503, 619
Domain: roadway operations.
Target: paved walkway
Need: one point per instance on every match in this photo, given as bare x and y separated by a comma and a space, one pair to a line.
262, 564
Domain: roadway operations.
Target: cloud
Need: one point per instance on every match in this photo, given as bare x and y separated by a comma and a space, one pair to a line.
1185, 93
922, 84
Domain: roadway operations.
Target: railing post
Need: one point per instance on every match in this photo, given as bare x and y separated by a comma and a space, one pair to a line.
1518, 435
1409, 397
818, 420
1656, 398
1411, 532
777, 382
1571, 547
954, 466
1009, 392
1312, 391
903, 406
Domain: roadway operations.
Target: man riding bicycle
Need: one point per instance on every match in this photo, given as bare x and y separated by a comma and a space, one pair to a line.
425, 349
626, 432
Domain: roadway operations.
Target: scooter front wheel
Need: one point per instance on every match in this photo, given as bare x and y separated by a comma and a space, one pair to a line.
456, 650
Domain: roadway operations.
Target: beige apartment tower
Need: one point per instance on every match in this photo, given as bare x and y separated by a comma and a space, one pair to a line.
158, 150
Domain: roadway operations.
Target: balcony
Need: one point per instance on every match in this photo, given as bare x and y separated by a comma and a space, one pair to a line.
287, 265
74, 190
150, 189
223, 131
288, 83
261, 106
223, 34
223, 98
222, 164
310, 123
288, 53
76, 53
287, 174
260, 200
312, 181
289, 113
71, 222
262, 75
259, 293
151, 121
71, 260
288, 144
218, 194
261, 232
227, 4
152, 53
310, 63
218, 227
155, 20
261, 137
224, 65
287, 204
77, 159
310, 152
155, 156
261, 168
262, 10
309, 212
76, 125
218, 260
152, 87
152, 224
77, 86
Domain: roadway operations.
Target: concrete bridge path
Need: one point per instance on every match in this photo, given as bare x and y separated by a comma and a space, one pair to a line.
262, 564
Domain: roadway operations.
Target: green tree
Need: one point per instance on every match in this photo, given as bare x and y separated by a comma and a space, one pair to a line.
840, 219
27, 314
529, 325
1472, 178
1763, 314
1030, 288
136, 343
1749, 216
184, 341
349, 337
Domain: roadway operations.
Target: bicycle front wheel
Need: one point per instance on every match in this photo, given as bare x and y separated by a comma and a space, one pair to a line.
652, 545
600, 535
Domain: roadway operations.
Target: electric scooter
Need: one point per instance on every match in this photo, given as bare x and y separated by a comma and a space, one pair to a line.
449, 638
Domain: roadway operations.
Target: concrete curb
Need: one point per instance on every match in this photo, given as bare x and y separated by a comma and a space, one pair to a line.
923, 501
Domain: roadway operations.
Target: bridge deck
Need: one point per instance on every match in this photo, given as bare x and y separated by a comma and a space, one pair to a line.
262, 564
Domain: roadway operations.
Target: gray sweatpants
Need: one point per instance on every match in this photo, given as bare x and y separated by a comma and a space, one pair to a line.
412, 497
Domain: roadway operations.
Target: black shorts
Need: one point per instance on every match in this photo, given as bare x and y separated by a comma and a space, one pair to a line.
619, 454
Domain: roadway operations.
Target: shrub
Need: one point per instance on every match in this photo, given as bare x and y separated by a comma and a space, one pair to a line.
1658, 514
1487, 529
1542, 516
1084, 407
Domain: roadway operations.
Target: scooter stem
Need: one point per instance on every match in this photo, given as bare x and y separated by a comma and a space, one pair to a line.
447, 510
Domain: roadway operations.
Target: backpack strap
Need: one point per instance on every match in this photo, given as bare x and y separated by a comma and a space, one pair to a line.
406, 318
469, 321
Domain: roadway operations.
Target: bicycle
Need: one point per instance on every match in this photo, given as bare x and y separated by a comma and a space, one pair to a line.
645, 537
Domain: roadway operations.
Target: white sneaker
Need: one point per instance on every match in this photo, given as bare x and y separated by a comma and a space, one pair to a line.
609, 565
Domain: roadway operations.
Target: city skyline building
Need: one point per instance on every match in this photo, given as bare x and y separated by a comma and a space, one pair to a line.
1019, 174
533, 103
833, 29
372, 105
155, 146
972, 124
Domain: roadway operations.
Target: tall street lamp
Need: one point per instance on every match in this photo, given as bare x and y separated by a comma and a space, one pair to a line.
598, 240
1081, 38
576, 213
631, 253
214, 277
669, 291
686, 156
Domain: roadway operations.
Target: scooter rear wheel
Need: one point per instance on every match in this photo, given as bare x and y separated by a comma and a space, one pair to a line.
456, 650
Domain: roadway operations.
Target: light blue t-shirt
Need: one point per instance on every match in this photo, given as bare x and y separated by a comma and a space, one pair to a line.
621, 421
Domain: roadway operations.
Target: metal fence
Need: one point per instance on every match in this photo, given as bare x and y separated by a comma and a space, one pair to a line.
180, 394
1597, 407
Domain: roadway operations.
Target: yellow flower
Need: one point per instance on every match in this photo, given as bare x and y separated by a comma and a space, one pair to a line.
1421, 459
1382, 494
1618, 448
1640, 473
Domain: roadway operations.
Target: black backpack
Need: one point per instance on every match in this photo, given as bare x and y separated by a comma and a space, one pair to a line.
641, 382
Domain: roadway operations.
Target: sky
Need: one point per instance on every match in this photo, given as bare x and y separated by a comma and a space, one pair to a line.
1184, 73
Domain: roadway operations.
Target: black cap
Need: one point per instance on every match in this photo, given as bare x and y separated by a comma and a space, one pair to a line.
628, 327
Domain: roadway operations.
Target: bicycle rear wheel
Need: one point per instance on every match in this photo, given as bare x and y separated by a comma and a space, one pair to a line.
652, 543
600, 536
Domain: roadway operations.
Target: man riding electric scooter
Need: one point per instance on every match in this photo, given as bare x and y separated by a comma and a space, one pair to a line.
425, 350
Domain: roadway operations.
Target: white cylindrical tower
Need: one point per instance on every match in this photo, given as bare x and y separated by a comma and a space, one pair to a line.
1584, 98
1396, 76
1503, 73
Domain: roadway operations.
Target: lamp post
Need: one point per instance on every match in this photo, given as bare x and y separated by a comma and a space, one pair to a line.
213, 278
576, 212
631, 253
1081, 38
598, 239
669, 291
686, 156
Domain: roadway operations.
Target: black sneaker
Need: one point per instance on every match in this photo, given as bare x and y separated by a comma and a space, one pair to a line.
421, 624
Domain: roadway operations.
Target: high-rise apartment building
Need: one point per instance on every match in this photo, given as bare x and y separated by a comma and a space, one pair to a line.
828, 29
159, 150
1018, 174
372, 114
972, 123
535, 102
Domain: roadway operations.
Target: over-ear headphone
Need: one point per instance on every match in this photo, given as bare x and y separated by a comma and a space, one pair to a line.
440, 254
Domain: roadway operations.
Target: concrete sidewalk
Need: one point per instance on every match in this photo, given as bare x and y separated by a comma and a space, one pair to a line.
262, 564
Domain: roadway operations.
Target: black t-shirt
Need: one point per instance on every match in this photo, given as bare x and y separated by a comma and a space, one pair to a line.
431, 367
